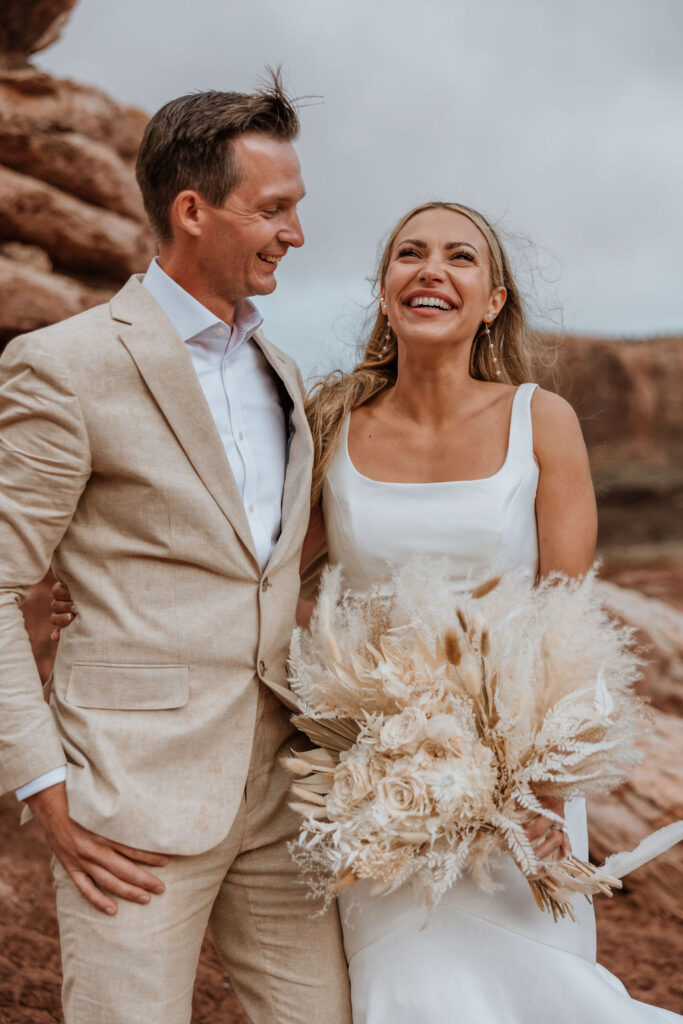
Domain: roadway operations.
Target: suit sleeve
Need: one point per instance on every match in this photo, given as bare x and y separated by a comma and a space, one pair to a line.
44, 467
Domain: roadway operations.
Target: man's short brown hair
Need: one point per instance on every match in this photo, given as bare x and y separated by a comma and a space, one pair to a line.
187, 144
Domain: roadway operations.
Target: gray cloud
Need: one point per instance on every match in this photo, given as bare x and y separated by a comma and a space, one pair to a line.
565, 119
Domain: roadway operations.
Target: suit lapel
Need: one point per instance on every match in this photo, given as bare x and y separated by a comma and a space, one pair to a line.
297, 488
166, 367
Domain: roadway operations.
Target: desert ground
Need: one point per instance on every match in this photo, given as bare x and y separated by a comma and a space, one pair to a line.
641, 945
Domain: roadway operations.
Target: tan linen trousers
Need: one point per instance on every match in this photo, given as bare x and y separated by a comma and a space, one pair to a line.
286, 964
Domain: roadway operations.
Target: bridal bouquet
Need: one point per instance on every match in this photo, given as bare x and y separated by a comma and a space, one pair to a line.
442, 720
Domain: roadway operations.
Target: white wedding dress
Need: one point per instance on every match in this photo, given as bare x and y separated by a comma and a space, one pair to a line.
478, 958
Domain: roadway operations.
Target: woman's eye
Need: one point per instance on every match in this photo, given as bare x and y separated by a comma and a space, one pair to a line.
464, 255
408, 252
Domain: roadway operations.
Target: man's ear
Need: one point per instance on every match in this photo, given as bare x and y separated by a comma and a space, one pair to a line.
186, 213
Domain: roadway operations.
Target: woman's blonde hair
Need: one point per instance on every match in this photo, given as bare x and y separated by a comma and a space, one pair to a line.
332, 398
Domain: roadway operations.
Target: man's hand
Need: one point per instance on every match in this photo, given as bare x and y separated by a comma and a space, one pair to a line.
62, 609
96, 865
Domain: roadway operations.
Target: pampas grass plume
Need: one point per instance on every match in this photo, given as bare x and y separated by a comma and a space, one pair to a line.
452, 648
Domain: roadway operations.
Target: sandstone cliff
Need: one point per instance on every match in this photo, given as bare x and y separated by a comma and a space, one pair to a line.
627, 395
72, 226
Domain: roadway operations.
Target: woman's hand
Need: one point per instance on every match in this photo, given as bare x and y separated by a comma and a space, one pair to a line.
63, 609
547, 836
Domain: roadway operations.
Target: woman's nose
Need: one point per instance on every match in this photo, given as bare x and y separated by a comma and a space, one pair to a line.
430, 271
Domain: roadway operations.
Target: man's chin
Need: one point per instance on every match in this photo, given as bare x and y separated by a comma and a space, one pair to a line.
265, 286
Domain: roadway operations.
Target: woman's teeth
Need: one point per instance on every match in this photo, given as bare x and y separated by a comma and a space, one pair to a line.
423, 301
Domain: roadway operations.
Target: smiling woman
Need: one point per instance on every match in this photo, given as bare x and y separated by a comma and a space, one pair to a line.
497, 348
438, 445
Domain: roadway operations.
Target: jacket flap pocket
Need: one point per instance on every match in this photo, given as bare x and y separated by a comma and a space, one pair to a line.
128, 687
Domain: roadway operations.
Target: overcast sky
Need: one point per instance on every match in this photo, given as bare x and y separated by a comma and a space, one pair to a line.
563, 119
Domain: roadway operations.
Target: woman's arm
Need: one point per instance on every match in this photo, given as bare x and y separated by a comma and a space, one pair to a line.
567, 522
566, 513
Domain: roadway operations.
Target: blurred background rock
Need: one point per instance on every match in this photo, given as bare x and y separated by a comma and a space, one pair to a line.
72, 229
72, 226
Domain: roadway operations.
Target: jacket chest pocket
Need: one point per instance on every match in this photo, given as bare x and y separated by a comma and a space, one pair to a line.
128, 687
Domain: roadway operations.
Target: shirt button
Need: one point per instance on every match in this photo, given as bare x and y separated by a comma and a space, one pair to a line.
251, 508
241, 436
265, 583
261, 668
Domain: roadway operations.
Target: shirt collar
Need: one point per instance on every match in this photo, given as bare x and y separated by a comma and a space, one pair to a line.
192, 320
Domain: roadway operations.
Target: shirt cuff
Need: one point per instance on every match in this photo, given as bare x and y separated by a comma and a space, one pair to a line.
50, 778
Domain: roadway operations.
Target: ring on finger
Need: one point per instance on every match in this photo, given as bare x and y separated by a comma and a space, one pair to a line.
557, 828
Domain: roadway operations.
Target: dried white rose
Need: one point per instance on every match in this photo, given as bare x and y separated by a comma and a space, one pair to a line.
351, 785
404, 732
403, 793
378, 767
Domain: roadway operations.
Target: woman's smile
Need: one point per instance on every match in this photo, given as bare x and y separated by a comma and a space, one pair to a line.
424, 302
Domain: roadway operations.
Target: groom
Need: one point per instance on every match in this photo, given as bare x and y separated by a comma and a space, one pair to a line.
155, 450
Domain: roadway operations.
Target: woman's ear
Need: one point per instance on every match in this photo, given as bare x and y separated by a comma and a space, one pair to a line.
496, 302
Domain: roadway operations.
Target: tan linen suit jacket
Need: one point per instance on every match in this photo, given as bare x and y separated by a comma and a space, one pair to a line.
111, 467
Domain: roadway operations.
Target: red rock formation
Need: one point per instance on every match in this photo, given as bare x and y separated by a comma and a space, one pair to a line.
26, 28
72, 226
76, 235
659, 632
651, 799
627, 395
32, 297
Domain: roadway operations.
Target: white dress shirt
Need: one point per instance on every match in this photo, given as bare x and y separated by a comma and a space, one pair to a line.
242, 394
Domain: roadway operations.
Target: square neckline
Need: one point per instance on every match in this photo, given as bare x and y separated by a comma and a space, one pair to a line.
436, 483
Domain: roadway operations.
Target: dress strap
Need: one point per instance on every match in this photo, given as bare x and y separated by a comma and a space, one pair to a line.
521, 440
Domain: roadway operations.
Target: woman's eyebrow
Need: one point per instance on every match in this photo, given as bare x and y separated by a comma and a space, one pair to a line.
448, 246
457, 245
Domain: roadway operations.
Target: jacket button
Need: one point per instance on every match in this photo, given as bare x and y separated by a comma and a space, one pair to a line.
261, 668
265, 583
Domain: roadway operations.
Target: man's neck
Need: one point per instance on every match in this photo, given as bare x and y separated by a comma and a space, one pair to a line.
186, 274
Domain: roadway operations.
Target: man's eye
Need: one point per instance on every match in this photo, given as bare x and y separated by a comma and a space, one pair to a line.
271, 213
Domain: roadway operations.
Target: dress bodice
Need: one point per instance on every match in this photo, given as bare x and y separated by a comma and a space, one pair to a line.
483, 526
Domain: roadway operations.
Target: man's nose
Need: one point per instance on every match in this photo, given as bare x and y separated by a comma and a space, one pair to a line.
293, 234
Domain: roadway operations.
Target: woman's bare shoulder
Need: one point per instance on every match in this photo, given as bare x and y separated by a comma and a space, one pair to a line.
556, 426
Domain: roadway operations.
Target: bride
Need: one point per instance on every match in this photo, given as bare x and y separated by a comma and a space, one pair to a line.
437, 443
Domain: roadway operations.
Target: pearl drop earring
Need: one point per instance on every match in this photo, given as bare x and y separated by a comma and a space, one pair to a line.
487, 332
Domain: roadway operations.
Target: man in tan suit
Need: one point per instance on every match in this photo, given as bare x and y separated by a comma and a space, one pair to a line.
155, 451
